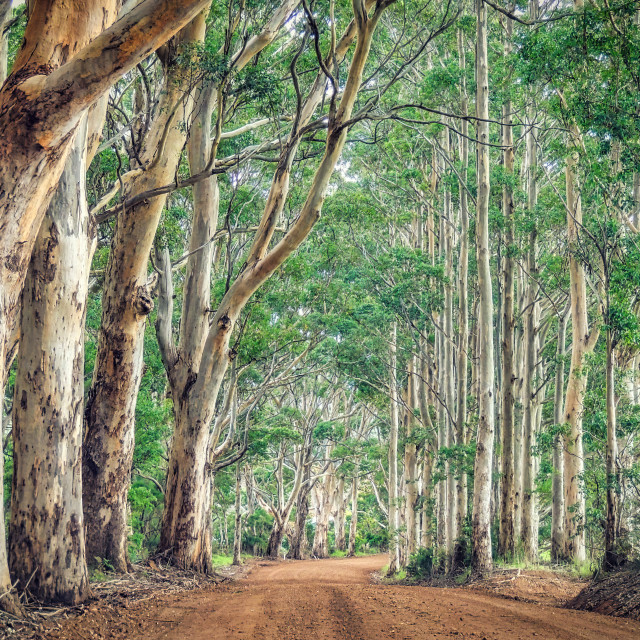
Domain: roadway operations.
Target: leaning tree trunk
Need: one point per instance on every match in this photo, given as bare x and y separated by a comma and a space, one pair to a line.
481, 558
126, 303
42, 102
47, 549
41, 105
200, 395
31, 166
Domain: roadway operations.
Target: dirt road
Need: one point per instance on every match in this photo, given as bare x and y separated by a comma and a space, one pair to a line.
336, 600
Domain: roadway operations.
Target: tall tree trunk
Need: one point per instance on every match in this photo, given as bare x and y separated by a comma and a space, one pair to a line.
201, 390
582, 343
275, 540
530, 339
341, 542
410, 466
394, 514
36, 138
506, 538
481, 557
611, 558
557, 482
43, 101
429, 447
449, 357
442, 514
324, 492
459, 551
529, 507
237, 531
353, 524
427, 506
190, 446
440, 355
299, 542
518, 453
47, 549
126, 303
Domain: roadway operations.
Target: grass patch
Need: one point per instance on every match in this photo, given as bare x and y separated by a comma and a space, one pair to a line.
336, 553
223, 560
219, 560
461, 578
582, 570
97, 575
396, 577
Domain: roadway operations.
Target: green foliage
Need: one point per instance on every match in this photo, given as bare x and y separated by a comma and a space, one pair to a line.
420, 565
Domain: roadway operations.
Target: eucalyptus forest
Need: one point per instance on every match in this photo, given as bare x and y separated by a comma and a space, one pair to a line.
301, 279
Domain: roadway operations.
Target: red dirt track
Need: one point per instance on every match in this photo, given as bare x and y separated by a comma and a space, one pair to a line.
336, 600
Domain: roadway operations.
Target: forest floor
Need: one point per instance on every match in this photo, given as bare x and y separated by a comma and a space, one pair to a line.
338, 600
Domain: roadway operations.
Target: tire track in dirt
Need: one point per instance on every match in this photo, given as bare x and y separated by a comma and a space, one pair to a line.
336, 600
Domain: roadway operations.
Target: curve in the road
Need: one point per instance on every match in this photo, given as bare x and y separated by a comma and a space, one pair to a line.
336, 600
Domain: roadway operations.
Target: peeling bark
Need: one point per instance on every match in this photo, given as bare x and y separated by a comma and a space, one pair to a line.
506, 538
481, 558
126, 303
43, 100
46, 536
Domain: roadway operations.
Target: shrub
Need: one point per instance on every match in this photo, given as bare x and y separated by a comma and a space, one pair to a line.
420, 564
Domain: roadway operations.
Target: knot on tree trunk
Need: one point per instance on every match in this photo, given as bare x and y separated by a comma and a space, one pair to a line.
143, 303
